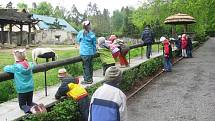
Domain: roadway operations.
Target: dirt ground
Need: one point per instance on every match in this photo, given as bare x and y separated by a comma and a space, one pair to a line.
186, 94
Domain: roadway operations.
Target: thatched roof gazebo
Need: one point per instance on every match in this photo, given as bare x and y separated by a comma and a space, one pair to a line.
180, 19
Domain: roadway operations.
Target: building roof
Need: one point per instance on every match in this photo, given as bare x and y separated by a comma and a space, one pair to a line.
46, 22
12, 16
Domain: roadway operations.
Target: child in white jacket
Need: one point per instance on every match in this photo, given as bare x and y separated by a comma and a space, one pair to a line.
108, 103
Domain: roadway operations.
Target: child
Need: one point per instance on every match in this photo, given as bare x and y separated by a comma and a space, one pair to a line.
178, 45
189, 47
108, 103
184, 45
123, 51
70, 87
22, 70
105, 54
167, 52
114, 47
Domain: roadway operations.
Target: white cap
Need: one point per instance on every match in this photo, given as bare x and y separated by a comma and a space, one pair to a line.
19, 53
85, 23
162, 39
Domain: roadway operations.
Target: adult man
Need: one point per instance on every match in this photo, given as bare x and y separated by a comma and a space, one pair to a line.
148, 38
87, 40
108, 103
71, 88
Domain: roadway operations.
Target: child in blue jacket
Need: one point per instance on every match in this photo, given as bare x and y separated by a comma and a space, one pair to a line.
24, 84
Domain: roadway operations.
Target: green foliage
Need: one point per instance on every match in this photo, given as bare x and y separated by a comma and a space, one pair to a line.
63, 111
44, 8
67, 110
74, 69
22, 6
7, 91
144, 70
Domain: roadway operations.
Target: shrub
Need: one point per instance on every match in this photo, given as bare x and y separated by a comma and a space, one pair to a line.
7, 91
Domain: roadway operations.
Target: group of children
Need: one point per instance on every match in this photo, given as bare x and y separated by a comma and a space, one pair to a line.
184, 49
108, 102
111, 106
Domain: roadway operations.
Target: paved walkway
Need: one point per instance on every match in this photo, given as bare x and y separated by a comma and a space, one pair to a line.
10, 110
186, 94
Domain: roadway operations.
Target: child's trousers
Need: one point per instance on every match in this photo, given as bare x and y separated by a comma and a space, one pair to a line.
184, 53
167, 64
25, 101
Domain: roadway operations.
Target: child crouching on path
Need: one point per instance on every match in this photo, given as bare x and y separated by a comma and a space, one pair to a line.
167, 52
22, 70
70, 87
105, 54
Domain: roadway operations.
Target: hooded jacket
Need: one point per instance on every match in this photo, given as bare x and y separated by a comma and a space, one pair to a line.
108, 103
22, 76
87, 43
147, 36
184, 42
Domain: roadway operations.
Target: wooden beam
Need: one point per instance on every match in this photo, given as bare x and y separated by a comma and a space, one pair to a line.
55, 64
2, 30
29, 34
10, 33
21, 37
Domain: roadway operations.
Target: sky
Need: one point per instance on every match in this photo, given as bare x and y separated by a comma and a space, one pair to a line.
111, 5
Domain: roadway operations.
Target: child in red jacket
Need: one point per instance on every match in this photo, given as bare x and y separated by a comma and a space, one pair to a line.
184, 45
167, 52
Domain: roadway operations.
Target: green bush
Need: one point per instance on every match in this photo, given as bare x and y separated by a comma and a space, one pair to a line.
63, 111
138, 73
7, 91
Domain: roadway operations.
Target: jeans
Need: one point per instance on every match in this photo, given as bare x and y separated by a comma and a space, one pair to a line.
87, 67
84, 105
148, 50
167, 64
25, 101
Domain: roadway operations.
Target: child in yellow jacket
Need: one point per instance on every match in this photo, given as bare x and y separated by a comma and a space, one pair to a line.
71, 88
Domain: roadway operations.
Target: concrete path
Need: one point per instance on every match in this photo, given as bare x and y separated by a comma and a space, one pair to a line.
186, 94
10, 110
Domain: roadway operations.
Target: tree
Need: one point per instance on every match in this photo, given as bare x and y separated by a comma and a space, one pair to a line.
117, 21
59, 12
22, 6
44, 8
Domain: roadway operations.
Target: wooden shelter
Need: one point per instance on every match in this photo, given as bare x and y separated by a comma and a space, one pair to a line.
180, 19
12, 18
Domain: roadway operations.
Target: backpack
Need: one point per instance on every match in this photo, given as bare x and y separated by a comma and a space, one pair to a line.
104, 110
